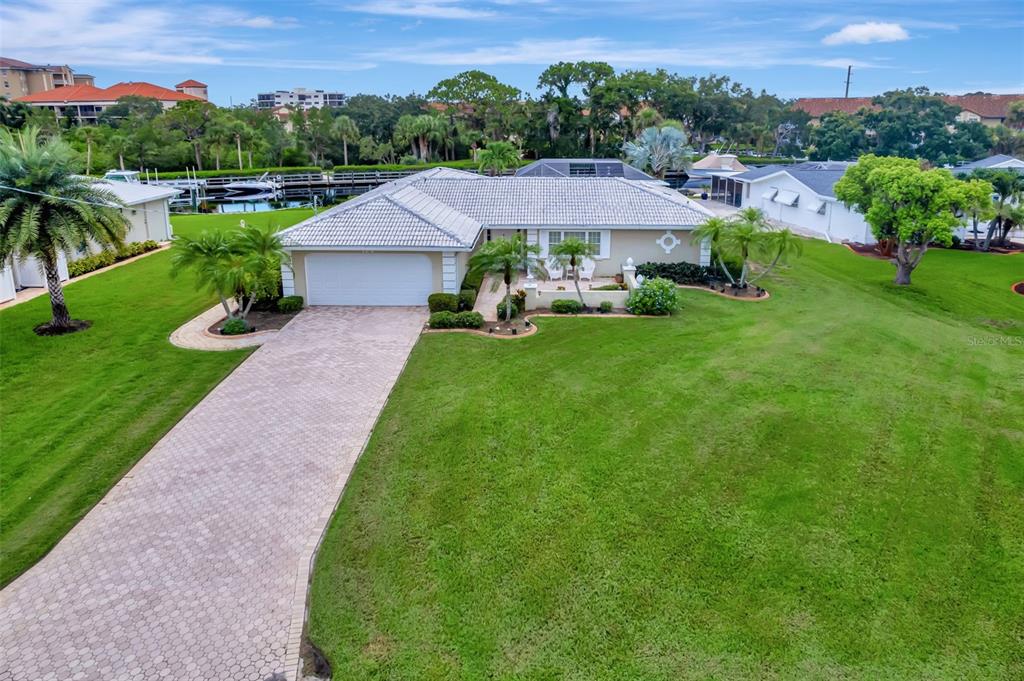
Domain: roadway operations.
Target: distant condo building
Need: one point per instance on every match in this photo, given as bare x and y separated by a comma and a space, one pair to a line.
20, 78
86, 102
299, 98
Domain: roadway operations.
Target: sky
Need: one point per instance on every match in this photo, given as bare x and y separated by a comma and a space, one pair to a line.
797, 48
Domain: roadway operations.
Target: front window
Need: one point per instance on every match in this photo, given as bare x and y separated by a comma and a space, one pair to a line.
591, 236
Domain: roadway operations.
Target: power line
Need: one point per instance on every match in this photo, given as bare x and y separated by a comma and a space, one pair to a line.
82, 201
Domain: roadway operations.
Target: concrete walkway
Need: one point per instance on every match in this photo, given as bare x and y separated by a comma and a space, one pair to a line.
195, 565
192, 334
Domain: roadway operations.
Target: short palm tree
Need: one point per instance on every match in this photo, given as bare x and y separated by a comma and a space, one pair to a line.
46, 209
744, 238
205, 255
779, 245
497, 157
714, 230
571, 251
504, 259
659, 150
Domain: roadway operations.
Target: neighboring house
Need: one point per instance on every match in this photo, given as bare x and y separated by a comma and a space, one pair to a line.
997, 162
146, 209
87, 102
703, 172
300, 99
989, 110
19, 78
800, 195
147, 206
583, 167
398, 243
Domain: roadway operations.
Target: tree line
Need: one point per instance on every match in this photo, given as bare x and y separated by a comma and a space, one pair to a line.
581, 109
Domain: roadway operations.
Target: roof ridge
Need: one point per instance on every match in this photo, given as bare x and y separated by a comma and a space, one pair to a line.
412, 211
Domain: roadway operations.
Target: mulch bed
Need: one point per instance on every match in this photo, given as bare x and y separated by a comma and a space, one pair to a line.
76, 325
1019, 288
1013, 247
260, 321
872, 250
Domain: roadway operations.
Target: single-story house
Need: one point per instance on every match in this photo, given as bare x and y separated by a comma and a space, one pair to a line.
996, 162
148, 216
406, 239
146, 206
801, 195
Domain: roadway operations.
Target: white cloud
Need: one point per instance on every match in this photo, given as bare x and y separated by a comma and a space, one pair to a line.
543, 52
867, 32
424, 9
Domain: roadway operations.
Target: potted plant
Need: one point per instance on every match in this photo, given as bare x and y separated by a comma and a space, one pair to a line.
618, 278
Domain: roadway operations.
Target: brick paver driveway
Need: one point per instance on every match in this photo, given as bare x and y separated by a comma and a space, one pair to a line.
194, 566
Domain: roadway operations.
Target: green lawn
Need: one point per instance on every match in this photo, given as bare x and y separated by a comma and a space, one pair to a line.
829, 484
78, 411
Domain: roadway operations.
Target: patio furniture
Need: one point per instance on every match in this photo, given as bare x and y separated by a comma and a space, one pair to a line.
587, 268
555, 269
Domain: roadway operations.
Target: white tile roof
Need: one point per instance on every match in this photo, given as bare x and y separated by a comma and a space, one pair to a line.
446, 209
134, 193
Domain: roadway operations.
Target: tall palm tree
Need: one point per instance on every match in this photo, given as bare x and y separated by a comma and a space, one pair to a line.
714, 231
779, 245
46, 209
497, 157
572, 251
505, 258
347, 130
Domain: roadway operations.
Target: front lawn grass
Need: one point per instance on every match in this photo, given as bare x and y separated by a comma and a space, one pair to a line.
828, 484
79, 410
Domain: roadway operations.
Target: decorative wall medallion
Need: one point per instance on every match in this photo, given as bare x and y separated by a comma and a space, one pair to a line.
668, 241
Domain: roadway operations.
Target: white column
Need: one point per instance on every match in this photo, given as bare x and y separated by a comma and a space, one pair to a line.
449, 277
532, 236
287, 280
705, 253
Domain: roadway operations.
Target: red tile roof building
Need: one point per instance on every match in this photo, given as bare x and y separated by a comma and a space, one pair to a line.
987, 109
88, 102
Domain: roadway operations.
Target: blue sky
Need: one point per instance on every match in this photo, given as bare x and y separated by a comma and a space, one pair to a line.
794, 48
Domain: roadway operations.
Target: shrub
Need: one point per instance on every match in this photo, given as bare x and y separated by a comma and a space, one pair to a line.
501, 309
234, 326
290, 304
606, 306
467, 299
679, 272
455, 320
568, 306
443, 302
610, 287
469, 320
89, 263
519, 298
655, 297
473, 280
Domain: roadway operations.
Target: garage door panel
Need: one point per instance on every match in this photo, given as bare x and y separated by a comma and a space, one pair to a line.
368, 278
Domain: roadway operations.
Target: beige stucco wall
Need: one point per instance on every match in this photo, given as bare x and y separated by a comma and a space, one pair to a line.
298, 267
642, 247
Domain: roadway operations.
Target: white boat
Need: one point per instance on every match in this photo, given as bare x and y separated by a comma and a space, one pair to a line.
252, 187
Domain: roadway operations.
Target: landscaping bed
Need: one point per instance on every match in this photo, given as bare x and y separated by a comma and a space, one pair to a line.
258, 320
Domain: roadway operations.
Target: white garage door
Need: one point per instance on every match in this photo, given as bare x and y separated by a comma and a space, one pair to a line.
368, 278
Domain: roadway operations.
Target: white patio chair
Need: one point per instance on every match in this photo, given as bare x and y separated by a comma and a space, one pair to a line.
555, 269
587, 268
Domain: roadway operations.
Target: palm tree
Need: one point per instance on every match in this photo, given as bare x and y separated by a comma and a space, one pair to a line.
205, 255
46, 209
347, 130
505, 258
714, 231
497, 157
744, 237
572, 251
659, 150
779, 245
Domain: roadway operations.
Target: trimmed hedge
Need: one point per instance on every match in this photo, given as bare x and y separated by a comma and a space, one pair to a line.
679, 272
467, 299
290, 304
566, 306
473, 280
456, 320
90, 263
655, 297
443, 302
501, 309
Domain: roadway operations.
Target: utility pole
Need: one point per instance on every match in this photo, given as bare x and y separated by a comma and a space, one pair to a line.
849, 70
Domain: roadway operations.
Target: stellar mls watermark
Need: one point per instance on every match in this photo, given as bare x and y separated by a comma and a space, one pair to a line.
1004, 341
